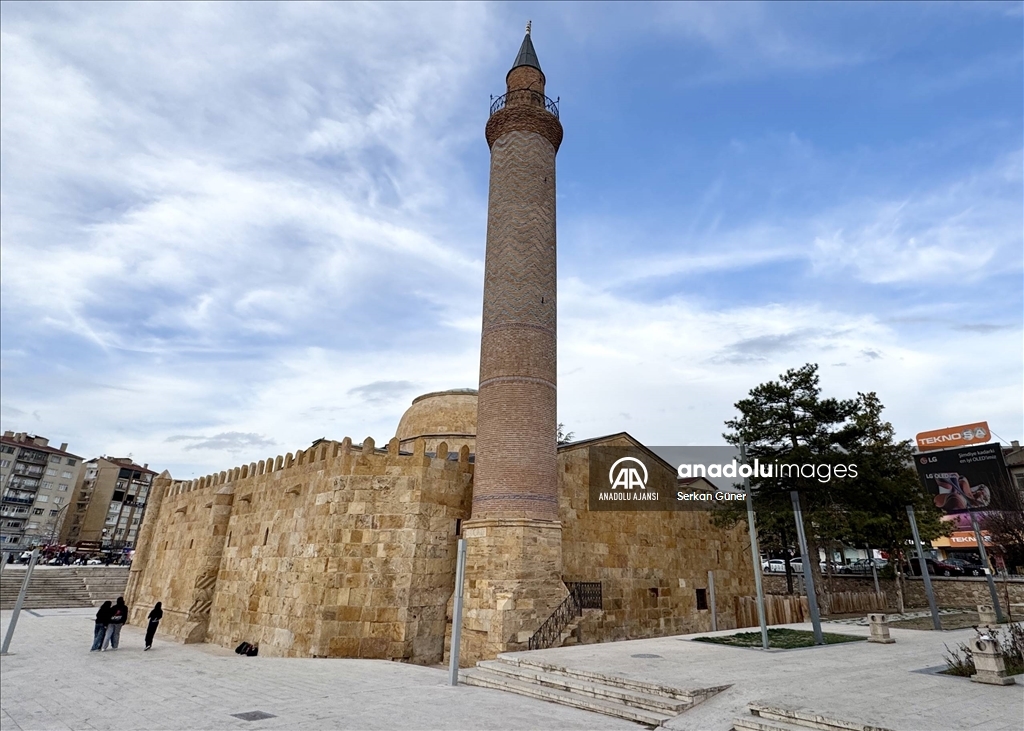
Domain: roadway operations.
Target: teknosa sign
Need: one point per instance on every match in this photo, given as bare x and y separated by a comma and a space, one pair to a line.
954, 436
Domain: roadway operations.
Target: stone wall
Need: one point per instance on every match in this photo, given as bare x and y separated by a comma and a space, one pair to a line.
340, 551
650, 564
960, 592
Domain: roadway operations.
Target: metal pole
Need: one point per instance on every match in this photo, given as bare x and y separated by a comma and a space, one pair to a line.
20, 602
924, 569
711, 591
874, 571
988, 568
812, 598
755, 551
3, 560
453, 652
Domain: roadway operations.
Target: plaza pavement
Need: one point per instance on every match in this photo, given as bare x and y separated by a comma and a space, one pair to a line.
862, 682
52, 681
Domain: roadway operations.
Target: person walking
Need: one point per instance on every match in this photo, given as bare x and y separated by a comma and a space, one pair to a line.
118, 616
154, 620
100, 631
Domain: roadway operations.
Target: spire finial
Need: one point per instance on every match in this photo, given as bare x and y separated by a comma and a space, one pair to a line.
529, 24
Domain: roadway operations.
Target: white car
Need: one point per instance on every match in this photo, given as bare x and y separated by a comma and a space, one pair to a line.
775, 566
93, 562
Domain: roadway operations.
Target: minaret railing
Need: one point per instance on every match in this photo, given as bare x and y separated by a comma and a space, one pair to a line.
525, 97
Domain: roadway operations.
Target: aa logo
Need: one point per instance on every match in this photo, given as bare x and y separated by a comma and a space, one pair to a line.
626, 476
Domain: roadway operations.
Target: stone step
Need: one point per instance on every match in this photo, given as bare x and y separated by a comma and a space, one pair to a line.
558, 681
487, 679
691, 696
635, 698
756, 723
806, 719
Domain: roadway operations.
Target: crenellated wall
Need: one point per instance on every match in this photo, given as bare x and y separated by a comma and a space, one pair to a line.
339, 551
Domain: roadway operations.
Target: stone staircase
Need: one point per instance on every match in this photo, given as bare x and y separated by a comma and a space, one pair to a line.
771, 717
63, 586
633, 700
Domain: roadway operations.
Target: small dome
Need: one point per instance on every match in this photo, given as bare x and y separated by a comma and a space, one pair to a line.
441, 416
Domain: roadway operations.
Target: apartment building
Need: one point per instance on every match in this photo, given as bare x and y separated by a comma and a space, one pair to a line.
37, 482
108, 504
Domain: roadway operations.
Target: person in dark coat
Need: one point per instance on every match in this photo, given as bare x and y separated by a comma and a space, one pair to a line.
102, 622
154, 620
118, 616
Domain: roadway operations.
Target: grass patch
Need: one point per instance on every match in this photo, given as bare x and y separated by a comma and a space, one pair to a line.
783, 639
964, 620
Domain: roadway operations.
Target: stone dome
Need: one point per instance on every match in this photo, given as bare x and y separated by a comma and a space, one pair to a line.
441, 416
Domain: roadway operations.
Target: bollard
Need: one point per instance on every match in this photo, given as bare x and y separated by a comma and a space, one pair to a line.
879, 627
989, 663
987, 615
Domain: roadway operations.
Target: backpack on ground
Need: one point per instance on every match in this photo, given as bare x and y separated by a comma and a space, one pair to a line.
243, 648
253, 651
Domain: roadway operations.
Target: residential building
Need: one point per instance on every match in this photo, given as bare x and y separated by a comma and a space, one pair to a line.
108, 504
37, 481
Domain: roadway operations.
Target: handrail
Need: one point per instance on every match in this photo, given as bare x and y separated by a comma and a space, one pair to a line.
582, 595
531, 97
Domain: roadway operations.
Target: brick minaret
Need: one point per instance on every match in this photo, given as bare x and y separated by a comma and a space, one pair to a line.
514, 538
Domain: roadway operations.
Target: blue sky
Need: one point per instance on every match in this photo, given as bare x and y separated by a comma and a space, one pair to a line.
228, 230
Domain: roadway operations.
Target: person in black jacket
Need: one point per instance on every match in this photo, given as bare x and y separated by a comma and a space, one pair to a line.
118, 616
100, 631
154, 619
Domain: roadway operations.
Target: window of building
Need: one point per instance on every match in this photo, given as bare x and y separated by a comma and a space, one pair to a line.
702, 598
13, 524
43, 499
67, 475
71, 462
47, 485
58, 500
53, 513
51, 472
6, 449
37, 511
55, 459
5, 463
33, 526
118, 496
10, 539
63, 487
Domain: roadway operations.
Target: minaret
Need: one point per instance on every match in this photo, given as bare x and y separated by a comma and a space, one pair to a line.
514, 537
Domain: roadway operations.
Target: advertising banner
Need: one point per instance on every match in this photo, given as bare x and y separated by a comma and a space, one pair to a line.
965, 479
954, 436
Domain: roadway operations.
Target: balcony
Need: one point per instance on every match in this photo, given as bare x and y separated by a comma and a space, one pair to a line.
35, 457
18, 500
525, 97
23, 483
28, 469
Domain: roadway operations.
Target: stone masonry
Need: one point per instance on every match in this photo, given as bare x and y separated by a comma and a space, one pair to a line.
514, 551
340, 551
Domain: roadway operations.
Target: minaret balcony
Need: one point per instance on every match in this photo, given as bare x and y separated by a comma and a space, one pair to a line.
524, 98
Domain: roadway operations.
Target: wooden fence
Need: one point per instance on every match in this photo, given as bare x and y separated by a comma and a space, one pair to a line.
786, 609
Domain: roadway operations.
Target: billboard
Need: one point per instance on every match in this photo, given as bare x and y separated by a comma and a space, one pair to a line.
966, 479
954, 436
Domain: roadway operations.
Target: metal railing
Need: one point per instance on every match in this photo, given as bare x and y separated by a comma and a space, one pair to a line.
588, 593
526, 97
582, 595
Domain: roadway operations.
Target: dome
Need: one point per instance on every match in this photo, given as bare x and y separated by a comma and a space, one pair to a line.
441, 416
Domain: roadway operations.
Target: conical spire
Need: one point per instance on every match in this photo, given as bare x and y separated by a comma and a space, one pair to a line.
527, 56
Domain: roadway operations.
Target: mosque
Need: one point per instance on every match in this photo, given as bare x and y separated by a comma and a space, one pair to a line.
349, 550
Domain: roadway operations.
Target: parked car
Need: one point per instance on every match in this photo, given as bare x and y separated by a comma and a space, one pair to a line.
935, 568
863, 566
775, 566
969, 568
